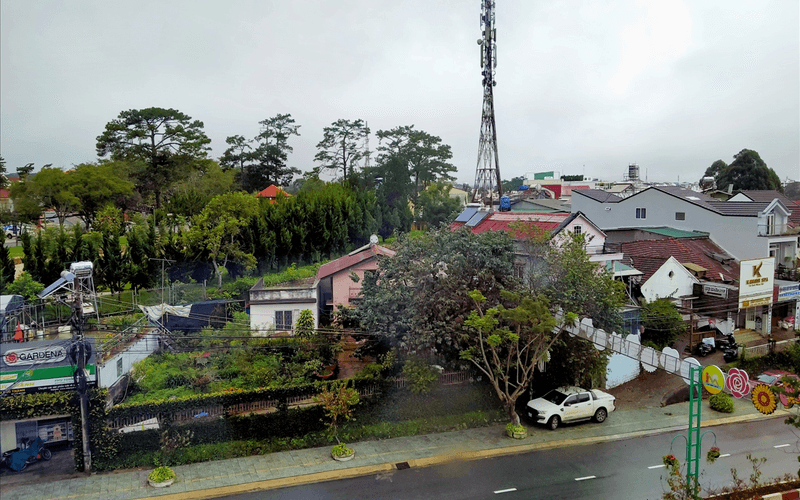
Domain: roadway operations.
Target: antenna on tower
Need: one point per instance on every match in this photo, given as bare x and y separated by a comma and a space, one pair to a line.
487, 172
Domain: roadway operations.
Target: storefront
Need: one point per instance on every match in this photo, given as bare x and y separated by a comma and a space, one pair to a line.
786, 305
54, 431
756, 278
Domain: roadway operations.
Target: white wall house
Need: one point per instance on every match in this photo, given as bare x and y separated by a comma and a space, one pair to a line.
671, 280
747, 230
278, 308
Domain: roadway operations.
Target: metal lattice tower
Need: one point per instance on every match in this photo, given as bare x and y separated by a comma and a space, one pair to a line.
487, 174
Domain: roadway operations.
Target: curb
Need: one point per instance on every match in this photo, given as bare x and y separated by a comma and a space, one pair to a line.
459, 456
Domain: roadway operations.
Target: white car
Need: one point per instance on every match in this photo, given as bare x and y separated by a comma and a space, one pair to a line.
570, 404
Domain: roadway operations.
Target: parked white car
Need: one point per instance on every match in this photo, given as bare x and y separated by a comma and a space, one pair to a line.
570, 404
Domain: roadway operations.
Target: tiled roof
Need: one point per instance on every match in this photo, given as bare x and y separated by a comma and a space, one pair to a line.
501, 221
649, 255
739, 208
693, 197
767, 195
599, 195
351, 260
271, 192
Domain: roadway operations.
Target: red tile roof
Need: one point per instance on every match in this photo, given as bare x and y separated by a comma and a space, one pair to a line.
271, 192
649, 255
351, 260
501, 221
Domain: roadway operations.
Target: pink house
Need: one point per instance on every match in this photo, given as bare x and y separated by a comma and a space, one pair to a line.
336, 287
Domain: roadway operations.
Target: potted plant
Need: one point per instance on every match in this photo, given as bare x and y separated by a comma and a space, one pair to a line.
341, 453
516, 431
712, 455
338, 400
670, 461
161, 477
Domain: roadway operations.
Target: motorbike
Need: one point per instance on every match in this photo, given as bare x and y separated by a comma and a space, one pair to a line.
20, 458
730, 354
727, 342
704, 349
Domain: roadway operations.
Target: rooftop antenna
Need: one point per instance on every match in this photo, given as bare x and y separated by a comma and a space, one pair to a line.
487, 173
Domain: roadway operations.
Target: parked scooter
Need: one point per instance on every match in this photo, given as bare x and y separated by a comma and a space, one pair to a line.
730, 354
19, 458
727, 342
704, 349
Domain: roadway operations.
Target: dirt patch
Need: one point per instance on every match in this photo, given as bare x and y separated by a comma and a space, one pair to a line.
649, 390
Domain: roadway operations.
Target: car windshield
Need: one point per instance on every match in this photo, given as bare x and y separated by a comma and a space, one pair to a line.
555, 397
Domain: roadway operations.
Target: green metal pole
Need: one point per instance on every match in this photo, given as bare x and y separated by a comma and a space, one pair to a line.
693, 435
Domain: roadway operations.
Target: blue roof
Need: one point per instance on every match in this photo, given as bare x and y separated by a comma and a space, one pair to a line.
466, 214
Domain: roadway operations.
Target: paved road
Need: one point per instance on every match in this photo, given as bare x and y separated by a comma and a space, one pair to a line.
622, 469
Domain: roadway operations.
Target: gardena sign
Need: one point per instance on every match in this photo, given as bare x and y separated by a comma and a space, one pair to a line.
37, 355
43, 365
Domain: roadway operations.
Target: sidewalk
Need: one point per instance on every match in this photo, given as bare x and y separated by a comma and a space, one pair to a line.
225, 477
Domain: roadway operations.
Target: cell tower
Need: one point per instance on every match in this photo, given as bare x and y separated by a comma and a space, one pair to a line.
487, 174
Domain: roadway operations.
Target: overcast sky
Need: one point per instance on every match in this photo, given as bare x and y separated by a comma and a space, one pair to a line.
584, 87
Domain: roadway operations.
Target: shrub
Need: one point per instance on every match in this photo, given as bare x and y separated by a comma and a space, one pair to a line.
161, 474
721, 402
341, 450
420, 376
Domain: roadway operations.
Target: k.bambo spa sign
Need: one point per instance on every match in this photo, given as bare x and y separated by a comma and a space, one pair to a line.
756, 278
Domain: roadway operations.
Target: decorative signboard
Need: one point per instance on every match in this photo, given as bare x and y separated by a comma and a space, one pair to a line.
46, 365
756, 278
715, 290
713, 379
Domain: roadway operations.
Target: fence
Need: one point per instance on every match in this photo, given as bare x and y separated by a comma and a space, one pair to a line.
446, 378
217, 410
764, 349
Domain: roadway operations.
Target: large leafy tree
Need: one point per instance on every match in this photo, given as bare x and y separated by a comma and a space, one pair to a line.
423, 154
420, 297
435, 206
748, 171
190, 196
217, 230
342, 146
270, 154
505, 342
165, 143
54, 188
97, 185
238, 155
27, 204
662, 322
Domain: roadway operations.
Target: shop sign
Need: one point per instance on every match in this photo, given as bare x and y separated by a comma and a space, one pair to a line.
756, 278
789, 292
715, 291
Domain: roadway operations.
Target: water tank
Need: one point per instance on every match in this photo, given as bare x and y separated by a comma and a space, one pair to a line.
633, 172
505, 204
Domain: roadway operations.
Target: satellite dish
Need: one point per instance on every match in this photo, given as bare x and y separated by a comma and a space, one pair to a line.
373, 239
480, 41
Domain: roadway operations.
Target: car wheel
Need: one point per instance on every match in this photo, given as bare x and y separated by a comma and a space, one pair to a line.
47, 454
553, 422
600, 415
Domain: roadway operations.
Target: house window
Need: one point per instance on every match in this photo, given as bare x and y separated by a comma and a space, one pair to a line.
771, 223
119, 367
519, 270
641, 213
577, 229
680, 215
283, 320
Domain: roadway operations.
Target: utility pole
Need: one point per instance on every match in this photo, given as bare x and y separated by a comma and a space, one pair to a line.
83, 389
487, 173
163, 261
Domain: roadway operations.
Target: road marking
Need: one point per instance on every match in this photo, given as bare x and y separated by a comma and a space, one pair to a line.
781, 446
585, 478
725, 455
656, 466
505, 491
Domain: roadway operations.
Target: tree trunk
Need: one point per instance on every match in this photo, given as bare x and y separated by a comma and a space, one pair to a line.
512, 412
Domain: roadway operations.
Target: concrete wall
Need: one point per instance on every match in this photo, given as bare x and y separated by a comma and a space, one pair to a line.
264, 304
344, 287
109, 372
